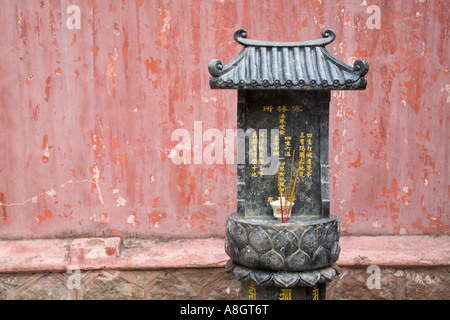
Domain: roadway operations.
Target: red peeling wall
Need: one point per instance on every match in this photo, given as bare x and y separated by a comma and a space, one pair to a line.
87, 114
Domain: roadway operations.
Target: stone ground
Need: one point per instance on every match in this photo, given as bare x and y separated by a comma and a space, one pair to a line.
214, 284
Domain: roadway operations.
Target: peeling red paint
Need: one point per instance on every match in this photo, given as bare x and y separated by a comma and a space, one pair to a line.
122, 160
115, 145
125, 52
45, 157
4, 214
34, 111
111, 68
163, 155
348, 221
196, 216
187, 186
108, 96
153, 66
47, 88
434, 225
392, 197
48, 214
110, 251
155, 217
357, 162
28, 79
96, 174
96, 144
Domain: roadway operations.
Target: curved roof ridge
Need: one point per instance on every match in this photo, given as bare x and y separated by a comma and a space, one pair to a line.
304, 65
328, 37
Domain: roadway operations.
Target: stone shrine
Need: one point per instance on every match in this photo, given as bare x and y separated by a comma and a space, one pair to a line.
283, 119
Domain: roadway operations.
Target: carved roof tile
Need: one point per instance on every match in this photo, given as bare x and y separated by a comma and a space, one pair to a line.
303, 65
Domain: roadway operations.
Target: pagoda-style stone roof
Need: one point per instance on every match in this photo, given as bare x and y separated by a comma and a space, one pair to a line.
302, 65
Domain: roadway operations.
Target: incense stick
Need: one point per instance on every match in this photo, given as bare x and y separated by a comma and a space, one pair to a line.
295, 182
281, 196
290, 179
281, 204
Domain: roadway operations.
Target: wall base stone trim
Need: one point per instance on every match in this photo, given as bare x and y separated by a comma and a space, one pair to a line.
411, 267
168, 284
215, 284
417, 283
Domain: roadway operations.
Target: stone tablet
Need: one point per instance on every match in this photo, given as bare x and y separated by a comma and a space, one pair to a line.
300, 120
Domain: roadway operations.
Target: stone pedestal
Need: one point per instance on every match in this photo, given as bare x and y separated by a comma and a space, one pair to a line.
282, 285
267, 244
282, 261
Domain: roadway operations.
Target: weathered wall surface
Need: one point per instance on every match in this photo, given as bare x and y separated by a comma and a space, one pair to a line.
89, 99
